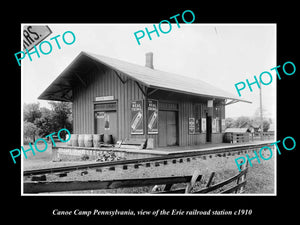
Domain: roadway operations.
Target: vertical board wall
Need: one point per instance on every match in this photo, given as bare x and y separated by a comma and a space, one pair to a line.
103, 81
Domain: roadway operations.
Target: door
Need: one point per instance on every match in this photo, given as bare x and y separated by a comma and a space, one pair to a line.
106, 123
167, 129
208, 128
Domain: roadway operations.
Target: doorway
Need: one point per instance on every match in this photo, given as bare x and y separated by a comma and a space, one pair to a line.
168, 128
208, 128
106, 123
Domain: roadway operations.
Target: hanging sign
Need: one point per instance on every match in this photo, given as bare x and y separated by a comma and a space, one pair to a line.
33, 35
136, 124
191, 125
152, 113
210, 103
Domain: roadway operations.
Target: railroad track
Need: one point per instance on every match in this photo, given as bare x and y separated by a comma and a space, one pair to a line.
220, 151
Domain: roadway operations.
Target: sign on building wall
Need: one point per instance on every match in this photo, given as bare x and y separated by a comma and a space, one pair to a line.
100, 115
106, 121
197, 126
223, 125
152, 113
104, 98
203, 125
214, 125
136, 124
191, 125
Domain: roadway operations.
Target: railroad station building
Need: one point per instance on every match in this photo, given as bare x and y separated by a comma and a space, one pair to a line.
126, 100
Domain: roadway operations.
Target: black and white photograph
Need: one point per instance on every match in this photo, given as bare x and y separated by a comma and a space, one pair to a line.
133, 115
110, 111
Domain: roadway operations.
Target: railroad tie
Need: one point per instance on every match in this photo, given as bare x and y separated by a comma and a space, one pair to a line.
39, 178
84, 173
111, 168
62, 174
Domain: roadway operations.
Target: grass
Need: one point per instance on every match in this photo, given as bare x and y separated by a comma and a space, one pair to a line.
260, 177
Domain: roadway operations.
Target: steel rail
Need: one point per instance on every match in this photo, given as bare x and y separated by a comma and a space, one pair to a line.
186, 154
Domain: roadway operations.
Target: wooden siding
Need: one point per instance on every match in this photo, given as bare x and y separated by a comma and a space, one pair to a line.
103, 81
186, 106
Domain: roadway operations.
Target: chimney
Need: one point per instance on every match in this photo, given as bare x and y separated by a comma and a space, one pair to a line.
149, 60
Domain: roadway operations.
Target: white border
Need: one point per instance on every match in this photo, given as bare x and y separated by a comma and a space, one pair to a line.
153, 195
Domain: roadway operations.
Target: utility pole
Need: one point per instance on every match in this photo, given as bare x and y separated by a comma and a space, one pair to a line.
261, 113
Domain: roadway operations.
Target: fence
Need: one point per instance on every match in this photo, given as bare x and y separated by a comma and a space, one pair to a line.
269, 135
57, 186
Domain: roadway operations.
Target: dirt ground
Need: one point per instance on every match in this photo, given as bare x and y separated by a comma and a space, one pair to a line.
260, 177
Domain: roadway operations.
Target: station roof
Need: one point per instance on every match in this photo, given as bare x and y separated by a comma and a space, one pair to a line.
61, 88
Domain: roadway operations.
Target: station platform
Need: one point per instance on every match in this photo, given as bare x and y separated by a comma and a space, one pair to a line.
130, 153
204, 147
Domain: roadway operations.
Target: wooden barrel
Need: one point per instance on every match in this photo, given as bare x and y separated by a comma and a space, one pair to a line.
74, 140
88, 140
81, 140
97, 140
108, 139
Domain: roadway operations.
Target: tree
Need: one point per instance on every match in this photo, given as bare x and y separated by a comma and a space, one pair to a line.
266, 123
62, 114
30, 131
45, 122
242, 121
31, 112
229, 122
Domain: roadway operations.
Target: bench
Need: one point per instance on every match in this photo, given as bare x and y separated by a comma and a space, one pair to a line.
133, 143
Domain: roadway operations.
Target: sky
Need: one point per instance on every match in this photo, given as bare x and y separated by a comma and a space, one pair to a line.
219, 54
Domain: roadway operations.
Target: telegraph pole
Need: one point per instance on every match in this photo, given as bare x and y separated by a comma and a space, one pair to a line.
261, 113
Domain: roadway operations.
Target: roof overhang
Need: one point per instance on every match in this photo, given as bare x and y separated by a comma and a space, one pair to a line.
61, 89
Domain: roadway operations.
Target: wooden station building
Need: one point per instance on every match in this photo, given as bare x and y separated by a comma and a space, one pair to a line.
126, 100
